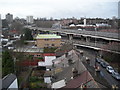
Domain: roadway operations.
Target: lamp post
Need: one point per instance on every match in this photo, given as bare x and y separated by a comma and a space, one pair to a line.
95, 34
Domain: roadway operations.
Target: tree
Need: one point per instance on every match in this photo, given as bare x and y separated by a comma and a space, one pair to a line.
4, 24
7, 63
28, 34
17, 26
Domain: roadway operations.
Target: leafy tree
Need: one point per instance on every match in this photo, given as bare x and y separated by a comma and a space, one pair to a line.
7, 63
28, 34
17, 26
4, 24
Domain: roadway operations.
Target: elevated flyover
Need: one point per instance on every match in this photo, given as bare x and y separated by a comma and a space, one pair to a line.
88, 35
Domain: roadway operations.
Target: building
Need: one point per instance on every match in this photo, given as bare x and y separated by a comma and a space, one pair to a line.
85, 80
0, 23
48, 40
10, 82
30, 19
119, 10
76, 76
48, 58
9, 18
56, 25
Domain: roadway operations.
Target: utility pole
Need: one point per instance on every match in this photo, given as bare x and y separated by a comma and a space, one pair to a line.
95, 35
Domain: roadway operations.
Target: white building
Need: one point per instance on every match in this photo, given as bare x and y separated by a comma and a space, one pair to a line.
0, 23
48, 60
9, 18
30, 19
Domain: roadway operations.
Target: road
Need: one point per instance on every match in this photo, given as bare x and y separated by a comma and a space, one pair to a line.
109, 78
91, 55
72, 31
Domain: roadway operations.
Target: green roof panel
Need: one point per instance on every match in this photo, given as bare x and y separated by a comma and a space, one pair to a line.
47, 36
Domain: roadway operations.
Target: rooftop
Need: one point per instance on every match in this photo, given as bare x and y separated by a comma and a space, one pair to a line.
8, 80
47, 36
61, 66
84, 79
28, 49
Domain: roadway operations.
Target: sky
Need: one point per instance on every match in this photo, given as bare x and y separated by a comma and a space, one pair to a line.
59, 8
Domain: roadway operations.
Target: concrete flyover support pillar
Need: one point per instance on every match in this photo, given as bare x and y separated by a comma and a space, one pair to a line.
87, 40
95, 41
58, 33
70, 36
82, 38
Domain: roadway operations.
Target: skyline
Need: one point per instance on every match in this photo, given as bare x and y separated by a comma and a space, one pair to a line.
60, 8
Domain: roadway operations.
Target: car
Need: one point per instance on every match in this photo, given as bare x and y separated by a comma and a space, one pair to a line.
98, 60
110, 69
104, 64
116, 75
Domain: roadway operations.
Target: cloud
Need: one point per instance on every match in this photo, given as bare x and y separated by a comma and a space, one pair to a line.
59, 8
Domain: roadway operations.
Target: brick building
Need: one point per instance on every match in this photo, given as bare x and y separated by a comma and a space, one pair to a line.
48, 40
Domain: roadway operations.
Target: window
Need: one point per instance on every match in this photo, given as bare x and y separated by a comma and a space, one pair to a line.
53, 44
46, 39
46, 45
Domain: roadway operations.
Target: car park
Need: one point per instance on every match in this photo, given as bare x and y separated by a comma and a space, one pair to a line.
109, 69
116, 75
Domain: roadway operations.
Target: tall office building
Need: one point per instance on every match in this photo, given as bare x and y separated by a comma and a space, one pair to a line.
119, 9
0, 23
9, 18
30, 19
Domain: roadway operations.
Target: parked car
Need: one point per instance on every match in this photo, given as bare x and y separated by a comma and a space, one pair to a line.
104, 64
98, 60
116, 75
109, 69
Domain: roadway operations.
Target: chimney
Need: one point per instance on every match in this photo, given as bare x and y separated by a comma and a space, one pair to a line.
66, 54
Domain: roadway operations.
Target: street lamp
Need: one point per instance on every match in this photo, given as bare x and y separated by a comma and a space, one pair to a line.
95, 34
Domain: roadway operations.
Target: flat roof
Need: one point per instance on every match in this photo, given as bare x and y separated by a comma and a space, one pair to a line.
28, 49
47, 36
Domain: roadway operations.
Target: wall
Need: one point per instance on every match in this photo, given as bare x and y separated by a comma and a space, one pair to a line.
47, 79
42, 43
48, 60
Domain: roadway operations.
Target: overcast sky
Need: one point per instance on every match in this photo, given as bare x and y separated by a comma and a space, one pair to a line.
59, 8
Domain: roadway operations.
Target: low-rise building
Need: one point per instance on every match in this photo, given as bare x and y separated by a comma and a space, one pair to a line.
48, 40
48, 57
